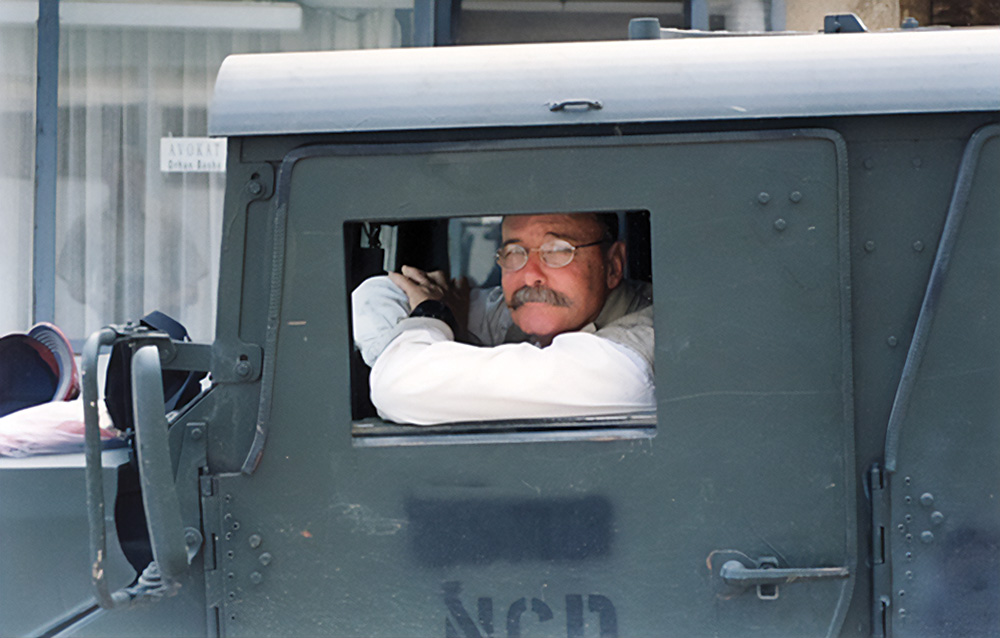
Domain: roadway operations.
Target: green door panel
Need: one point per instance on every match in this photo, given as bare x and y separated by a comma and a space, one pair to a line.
752, 453
945, 522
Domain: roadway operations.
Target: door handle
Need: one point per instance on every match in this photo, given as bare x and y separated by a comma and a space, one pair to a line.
738, 572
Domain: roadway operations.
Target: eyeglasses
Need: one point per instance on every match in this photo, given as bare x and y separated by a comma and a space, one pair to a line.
555, 253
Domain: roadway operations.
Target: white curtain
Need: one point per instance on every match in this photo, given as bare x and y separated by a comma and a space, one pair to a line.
129, 238
17, 173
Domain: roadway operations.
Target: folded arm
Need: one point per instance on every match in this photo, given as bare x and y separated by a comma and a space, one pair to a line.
424, 377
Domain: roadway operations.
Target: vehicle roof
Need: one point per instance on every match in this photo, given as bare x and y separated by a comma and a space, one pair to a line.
907, 71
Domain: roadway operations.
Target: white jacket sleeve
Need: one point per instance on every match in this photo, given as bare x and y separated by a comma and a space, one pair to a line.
423, 377
377, 305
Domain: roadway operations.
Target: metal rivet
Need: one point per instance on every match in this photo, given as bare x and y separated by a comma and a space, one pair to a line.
795, 197
230, 553
927, 537
909, 555
908, 499
926, 499
229, 536
892, 341
909, 575
255, 187
190, 537
764, 197
243, 369
233, 617
909, 538
901, 527
232, 595
869, 246
917, 162
780, 225
228, 517
255, 540
918, 246
907, 480
901, 593
229, 498
908, 518
230, 575
196, 433
256, 577
236, 525
869, 164
902, 613
937, 518
265, 558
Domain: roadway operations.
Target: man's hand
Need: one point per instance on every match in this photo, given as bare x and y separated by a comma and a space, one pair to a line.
420, 286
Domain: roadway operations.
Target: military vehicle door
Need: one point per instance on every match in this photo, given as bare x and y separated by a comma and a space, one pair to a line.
678, 523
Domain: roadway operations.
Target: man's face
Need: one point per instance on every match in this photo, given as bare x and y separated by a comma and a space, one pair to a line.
580, 287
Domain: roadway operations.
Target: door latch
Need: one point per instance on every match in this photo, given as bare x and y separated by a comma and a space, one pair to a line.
735, 572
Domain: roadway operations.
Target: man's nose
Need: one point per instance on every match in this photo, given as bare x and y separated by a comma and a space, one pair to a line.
534, 270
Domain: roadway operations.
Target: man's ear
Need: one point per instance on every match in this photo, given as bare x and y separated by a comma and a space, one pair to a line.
615, 264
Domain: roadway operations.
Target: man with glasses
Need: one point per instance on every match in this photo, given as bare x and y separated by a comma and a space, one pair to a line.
564, 335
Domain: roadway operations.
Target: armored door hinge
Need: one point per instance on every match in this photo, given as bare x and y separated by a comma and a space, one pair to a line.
880, 553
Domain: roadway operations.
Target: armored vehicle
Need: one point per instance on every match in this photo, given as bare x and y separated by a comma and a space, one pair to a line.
819, 217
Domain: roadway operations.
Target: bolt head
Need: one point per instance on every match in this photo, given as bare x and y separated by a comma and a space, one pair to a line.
764, 198
243, 369
780, 225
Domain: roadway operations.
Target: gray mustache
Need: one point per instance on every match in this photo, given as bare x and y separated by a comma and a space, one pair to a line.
537, 294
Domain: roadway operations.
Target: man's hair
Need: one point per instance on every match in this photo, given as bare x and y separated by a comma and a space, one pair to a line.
609, 222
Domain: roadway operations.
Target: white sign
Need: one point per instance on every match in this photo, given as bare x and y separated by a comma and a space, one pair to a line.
193, 154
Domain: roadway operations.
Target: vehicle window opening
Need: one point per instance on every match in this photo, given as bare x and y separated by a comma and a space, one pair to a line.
467, 247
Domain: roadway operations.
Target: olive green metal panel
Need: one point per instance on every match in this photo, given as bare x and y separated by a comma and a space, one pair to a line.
945, 535
752, 452
44, 566
902, 173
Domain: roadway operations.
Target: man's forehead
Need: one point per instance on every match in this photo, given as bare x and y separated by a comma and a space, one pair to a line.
558, 225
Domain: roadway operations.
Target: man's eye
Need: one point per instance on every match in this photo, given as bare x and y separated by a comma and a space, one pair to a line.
558, 251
